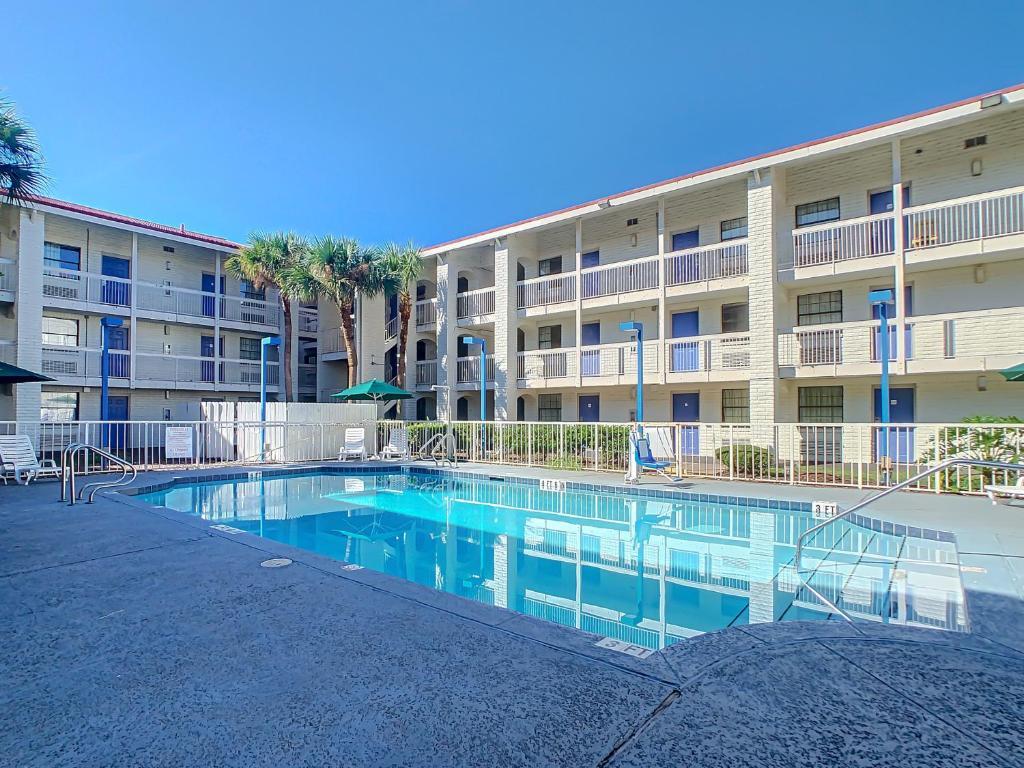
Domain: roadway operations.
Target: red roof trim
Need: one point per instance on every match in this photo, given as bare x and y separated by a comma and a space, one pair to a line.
754, 158
141, 223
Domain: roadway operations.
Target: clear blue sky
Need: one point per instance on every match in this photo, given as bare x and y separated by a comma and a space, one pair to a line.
429, 120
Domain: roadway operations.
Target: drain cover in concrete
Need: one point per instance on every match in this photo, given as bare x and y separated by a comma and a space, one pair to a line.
276, 562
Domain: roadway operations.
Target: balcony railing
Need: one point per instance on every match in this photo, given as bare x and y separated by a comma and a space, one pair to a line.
85, 363
622, 277
8, 275
308, 320
475, 303
551, 289
426, 313
710, 262
68, 285
546, 364
844, 240
467, 370
307, 376
8, 352
708, 353
426, 373
618, 359
993, 214
391, 328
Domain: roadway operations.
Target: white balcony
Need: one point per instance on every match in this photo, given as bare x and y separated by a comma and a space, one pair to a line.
961, 341
624, 277
707, 358
8, 279
475, 306
391, 329
706, 263
546, 364
9, 352
617, 363
82, 366
985, 223
545, 291
426, 314
467, 371
307, 377
308, 320
426, 374
86, 290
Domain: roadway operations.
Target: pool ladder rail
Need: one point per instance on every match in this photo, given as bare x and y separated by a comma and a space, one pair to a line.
942, 465
440, 442
68, 474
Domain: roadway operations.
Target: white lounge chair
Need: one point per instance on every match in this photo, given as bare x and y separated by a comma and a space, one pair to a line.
18, 457
1013, 491
355, 444
398, 444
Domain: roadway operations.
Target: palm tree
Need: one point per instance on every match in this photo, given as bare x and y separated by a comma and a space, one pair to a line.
21, 167
403, 263
279, 260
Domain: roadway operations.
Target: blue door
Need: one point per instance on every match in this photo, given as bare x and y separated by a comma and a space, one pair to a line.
685, 409
206, 350
901, 411
590, 408
115, 292
685, 354
686, 268
908, 336
590, 359
882, 233
210, 302
117, 410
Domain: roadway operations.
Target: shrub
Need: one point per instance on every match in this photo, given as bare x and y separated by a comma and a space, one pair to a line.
981, 439
749, 460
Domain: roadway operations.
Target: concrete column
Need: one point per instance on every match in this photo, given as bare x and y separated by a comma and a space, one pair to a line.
662, 250
133, 319
579, 302
28, 309
218, 304
768, 227
900, 278
762, 567
447, 333
506, 357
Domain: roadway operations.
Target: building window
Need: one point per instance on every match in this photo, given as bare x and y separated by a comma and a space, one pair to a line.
736, 406
60, 332
549, 337
818, 308
549, 408
58, 406
248, 291
735, 318
57, 256
820, 404
248, 348
817, 212
551, 266
734, 228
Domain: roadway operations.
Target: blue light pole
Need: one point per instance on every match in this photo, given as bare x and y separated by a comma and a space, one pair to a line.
884, 300
468, 340
638, 329
106, 323
267, 341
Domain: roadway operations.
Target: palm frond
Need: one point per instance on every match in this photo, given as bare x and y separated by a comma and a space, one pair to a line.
21, 165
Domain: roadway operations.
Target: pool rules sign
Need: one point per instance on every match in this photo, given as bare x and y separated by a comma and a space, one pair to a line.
178, 443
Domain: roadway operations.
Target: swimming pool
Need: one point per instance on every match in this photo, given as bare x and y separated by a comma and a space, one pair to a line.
646, 568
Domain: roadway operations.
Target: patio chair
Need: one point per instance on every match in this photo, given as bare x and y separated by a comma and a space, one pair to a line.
642, 458
398, 444
1013, 491
18, 457
355, 444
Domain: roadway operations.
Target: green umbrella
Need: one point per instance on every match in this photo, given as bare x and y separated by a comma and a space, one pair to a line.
12, 374
1014, 373
375, 390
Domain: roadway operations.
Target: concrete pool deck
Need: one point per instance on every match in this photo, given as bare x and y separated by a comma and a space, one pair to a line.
140, 636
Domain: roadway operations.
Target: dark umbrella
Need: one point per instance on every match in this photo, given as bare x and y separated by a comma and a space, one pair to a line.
12, 374
373, 390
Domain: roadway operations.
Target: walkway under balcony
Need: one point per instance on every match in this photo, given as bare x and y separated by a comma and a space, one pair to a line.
991, 224
981, 340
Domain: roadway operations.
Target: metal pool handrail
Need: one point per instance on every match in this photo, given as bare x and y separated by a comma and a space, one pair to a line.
898, 487
67, 472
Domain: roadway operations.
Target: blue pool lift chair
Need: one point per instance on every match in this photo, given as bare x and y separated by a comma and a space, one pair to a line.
642, 458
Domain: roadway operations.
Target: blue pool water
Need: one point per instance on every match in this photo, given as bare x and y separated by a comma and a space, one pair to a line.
647, 570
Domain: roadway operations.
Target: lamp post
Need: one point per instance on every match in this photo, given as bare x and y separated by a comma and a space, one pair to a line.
884, 300
468, 340
638, 329
106, 323
265, 343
